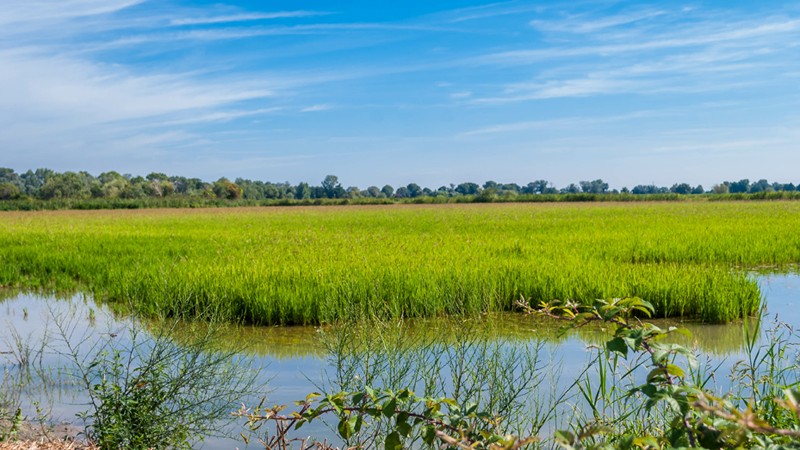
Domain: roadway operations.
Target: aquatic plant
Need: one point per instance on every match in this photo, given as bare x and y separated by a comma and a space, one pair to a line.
672, 407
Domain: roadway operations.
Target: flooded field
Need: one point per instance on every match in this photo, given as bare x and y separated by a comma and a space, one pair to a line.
295, 361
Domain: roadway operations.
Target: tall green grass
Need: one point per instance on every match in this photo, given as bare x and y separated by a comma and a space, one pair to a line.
313, 265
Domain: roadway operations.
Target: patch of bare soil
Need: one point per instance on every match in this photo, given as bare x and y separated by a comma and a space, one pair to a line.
30, 436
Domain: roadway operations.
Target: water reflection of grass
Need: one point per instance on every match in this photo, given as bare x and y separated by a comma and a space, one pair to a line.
288, 342
304, 341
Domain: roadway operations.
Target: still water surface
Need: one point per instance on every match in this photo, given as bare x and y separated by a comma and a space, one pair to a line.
296, 360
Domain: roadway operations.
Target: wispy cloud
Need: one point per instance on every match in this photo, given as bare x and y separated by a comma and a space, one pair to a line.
580, 87
721, 146
220, 116
682, 72
49, 86
568, 122
316, 108
241, 32
488, 11
584, 25
20, 11
743, 31
461, 95
245, 17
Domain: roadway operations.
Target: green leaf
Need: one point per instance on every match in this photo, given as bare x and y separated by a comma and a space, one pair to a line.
355, 423
675, 371
592, 431
345, 430
429, 434
649, 390
404, 428
393, 442
370, 391
656, 374
617, 345
564, 437
390, 407
404, 395
646, 441
450, 402
673, 403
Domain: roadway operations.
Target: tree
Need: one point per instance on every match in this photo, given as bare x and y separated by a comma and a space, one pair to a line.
468, 189
739, 187
387, 190
65, 185
224, 189
132, 190
33, 181
9, 191
761, 186
571, 189
270, 191
723, 188
114, 187
414, 190
154, 176
373, 191
303, 191
331, 186
402, 192
682, 188
9, 176
536, 187
597, 186
353, 192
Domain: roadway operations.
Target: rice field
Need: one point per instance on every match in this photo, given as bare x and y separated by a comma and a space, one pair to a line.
310, 265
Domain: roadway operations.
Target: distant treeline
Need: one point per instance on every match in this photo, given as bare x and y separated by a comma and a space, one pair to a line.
47, 189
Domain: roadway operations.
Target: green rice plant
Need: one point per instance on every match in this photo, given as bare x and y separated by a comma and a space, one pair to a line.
312, 265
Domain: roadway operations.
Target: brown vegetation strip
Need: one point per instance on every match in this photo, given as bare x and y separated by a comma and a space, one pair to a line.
46, 445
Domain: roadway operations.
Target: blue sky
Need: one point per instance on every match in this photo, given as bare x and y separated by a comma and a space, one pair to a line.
396, 92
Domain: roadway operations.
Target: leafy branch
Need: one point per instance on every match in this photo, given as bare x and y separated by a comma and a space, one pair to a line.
409, 417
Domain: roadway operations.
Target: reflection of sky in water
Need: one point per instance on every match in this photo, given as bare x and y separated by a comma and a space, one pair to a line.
783, 297
294, 362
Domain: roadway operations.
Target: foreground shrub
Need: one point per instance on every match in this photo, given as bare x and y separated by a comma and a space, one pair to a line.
148, 390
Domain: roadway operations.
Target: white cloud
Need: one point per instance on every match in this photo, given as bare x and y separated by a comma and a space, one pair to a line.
742, 32
316, 108
460, 95
16, 11
244, 17
50, 86
568, 122
583, 25
219, 116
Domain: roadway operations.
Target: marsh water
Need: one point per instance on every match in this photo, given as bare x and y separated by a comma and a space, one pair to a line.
295, 361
